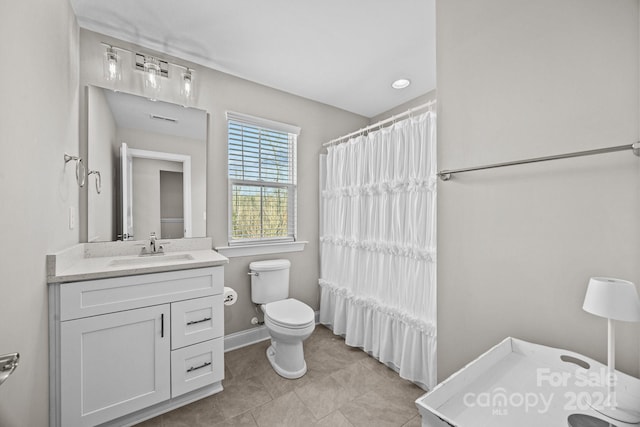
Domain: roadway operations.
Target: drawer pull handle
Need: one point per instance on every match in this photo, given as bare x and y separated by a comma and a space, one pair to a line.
193, 322
204, 365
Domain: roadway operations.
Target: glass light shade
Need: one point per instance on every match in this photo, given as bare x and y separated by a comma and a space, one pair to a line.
152, 76
186, 88
613, 299
111, 65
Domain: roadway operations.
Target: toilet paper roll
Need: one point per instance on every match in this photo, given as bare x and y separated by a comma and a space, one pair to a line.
230, 296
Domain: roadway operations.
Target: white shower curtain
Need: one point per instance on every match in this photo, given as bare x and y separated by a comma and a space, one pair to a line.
378, 246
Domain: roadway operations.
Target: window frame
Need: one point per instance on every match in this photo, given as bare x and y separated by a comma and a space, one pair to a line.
293, 132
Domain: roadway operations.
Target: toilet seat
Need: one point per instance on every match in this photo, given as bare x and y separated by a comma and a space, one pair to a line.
289, 313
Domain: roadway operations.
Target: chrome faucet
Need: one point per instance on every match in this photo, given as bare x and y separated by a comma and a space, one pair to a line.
152, 242
154, 247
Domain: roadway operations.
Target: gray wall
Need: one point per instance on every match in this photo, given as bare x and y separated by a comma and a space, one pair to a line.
38, 124
217, 93
402, 108
516, 246
100, 156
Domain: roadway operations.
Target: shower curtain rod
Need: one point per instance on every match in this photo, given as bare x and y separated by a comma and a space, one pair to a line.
445, 175
382, 122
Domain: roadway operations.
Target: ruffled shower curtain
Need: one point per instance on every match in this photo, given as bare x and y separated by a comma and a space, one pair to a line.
378, 246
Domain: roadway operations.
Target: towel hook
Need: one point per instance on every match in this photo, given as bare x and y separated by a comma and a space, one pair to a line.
80, 176
98, 180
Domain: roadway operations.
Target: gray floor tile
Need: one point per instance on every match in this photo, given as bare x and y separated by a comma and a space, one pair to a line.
372, 409
334, 419
414, 422
202, 413
242, 396
247, 362
277, 385
358, 379
242, 420
285, 411
324, 396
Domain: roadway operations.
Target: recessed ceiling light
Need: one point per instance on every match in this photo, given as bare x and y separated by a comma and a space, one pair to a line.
401, 83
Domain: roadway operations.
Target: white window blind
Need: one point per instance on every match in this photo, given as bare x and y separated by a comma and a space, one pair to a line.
262, 179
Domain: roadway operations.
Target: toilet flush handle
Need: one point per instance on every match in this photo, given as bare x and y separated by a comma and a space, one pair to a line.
253, 273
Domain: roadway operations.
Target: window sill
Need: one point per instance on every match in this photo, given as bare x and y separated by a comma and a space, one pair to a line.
261, 249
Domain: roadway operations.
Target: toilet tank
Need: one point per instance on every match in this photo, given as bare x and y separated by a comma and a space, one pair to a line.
271, 280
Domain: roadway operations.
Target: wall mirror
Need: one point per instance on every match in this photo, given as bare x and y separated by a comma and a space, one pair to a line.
147, 164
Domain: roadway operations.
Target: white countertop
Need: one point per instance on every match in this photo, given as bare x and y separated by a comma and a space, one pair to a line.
88, 261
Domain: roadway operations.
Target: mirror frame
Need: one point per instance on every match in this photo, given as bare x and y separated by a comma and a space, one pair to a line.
154, 155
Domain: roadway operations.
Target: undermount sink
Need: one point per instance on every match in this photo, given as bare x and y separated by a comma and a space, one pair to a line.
150, 260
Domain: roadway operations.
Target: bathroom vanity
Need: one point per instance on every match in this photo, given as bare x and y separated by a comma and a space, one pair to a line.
133, 336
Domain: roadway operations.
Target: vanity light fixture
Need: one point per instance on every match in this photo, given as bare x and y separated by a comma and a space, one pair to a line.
111, 65
401, 83
154, 70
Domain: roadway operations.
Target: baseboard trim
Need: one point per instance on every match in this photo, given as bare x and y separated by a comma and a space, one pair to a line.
244, 338
251, 336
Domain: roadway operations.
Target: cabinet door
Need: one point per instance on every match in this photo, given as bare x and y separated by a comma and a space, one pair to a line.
114, 364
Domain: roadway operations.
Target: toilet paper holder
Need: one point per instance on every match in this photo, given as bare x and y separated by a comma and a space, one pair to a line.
230, 296
8, 364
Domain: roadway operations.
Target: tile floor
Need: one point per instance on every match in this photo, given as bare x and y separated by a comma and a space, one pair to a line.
343, 387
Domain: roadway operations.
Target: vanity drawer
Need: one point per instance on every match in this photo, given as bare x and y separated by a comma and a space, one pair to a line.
93, 297
196, 320
197, 366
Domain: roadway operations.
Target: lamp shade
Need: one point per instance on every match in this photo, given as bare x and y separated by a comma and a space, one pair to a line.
612, 298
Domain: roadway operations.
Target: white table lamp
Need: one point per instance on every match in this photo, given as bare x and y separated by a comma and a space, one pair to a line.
613, 299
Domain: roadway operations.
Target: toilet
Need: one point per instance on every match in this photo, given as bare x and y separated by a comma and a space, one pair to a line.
288, 320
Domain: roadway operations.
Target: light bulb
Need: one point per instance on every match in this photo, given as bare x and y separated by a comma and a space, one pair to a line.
152, 82
186, 90
111, 65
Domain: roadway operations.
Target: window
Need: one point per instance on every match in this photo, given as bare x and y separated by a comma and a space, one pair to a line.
262, 180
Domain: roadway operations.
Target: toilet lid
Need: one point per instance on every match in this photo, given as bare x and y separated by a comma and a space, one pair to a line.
289, 312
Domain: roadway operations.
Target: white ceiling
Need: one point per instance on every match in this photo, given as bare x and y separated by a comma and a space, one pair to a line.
344, 53
137, 112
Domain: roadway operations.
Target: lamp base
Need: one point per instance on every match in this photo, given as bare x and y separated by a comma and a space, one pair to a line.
617, 413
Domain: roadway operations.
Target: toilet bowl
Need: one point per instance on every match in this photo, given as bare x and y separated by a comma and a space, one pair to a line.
289, 323
288, 320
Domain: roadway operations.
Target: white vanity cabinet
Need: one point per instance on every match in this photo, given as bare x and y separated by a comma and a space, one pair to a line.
124, 349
